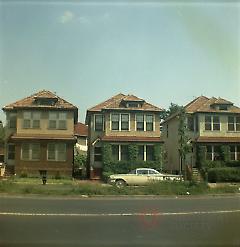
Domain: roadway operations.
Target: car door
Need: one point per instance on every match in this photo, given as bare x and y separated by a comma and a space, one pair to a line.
154, 176
142, 177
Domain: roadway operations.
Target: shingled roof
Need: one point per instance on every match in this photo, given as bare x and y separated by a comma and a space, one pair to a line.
115, 103
204, 104
34, 101
80, 129
207, 105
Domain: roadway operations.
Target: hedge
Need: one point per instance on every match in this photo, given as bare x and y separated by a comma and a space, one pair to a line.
232, 163
224, 174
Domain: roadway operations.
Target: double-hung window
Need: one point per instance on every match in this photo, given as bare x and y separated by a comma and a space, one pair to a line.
124, 121
98, 154
150, 152
31, 120
140, 122
208, 123
30, 151
149, 122
98, 122
115, 121
233, 123
57, 120
212, 123
144, 122
12, 120
57, 152
190, 123
216, 123
234, 152
120, 121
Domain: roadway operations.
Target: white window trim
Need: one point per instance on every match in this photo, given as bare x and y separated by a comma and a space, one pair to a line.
235, 152
120, 122
212, 122
57, 120
31, 119
234, 124
145, 122
56, 153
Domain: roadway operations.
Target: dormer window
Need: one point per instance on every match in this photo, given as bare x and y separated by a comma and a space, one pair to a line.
45, 101
132, 105
223, 107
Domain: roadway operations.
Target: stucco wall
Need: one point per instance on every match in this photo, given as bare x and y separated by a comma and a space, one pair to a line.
216, 133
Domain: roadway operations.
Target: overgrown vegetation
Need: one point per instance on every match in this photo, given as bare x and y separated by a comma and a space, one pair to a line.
111, 166
91, 189
224, 174
79, 166
222, 170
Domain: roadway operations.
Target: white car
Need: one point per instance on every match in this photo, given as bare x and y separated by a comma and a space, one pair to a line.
141, 176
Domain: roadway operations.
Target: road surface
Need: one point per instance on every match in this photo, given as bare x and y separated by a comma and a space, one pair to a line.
123, 221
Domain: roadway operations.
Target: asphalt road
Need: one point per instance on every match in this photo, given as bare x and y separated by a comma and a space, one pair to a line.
183, 221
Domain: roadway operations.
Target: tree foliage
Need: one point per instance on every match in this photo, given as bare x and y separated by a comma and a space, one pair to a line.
133, 152
173, 108
80, 160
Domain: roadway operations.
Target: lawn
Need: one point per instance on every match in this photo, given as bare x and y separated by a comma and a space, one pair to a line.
78, 188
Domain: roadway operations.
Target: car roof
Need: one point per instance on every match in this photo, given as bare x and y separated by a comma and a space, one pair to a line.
145, 169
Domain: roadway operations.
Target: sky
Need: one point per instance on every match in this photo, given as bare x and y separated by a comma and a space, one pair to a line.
89, 51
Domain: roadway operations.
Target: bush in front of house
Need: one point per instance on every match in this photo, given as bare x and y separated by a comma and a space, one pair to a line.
79, 166
233, 163
111, 166
224, 174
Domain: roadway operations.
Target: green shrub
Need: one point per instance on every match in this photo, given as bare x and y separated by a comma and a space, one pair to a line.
224, 174
80, 160
133, 152
233, 163
208, 164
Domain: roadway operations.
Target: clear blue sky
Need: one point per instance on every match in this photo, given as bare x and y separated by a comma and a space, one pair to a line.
89, 51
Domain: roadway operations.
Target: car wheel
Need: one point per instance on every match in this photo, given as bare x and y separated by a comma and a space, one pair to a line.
120, 183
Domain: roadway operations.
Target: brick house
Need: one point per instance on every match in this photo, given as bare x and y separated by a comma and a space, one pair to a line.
211, 122
120, 121
40, 135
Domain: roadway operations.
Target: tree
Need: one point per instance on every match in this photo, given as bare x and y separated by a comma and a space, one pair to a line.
158, 155
183, 141
173, 108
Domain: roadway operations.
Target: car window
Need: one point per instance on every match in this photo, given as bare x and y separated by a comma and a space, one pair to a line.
142, 172
153, 172
132, 172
